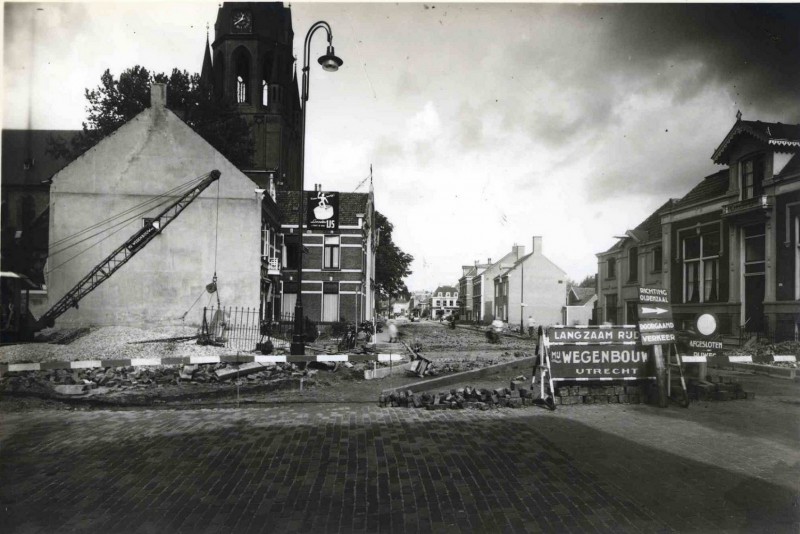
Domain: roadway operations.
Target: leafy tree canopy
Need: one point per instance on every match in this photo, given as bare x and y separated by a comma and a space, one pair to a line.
588, 281
116, 101
391, 263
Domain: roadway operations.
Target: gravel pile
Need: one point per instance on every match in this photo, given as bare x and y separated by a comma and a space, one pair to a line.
112, 342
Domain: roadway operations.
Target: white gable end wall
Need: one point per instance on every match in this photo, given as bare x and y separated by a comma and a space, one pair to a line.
150, 155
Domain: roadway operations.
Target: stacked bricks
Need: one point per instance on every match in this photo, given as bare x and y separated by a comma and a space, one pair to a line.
468, 397
614, 393
723, 389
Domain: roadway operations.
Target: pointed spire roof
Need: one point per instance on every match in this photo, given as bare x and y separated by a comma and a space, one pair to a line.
207, 73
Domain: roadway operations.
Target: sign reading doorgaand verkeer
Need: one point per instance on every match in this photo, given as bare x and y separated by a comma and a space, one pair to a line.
322, 210
593, 352
656, 326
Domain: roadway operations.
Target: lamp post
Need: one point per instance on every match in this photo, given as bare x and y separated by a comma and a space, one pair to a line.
330, 63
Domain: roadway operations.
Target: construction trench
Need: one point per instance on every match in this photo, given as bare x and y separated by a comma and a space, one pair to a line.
432, 366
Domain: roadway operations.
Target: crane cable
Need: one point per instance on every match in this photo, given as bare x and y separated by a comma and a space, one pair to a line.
212, 287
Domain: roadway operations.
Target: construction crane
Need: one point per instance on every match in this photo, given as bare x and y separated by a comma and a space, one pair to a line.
121, 255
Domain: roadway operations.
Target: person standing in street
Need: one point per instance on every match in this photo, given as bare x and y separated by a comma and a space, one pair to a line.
531, 326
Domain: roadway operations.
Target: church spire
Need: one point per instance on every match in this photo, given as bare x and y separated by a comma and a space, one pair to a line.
207, 74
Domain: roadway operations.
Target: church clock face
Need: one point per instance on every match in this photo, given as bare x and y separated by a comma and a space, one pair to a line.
242, 22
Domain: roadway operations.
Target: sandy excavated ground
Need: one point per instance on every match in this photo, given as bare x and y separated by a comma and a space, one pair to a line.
111, 342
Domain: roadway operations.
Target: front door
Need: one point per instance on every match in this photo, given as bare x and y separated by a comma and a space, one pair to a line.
754, 303
754, 278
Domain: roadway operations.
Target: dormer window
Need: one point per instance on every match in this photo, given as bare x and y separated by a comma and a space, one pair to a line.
752, 176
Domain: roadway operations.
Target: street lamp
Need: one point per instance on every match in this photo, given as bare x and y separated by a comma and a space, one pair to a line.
330, 62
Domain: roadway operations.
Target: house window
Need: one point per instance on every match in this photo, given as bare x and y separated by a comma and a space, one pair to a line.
754, 249
752, 170
288, 302
631, 313
701, 267
633, 264
265, 241
658, 259
330, 302
331, 252
447, 294
611, 268
611, 308
291, 247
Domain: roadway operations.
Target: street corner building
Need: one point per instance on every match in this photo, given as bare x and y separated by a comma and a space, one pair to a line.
147, 162
338, 254
730, 246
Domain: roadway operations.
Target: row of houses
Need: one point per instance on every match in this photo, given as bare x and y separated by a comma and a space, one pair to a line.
730, 246
520, 286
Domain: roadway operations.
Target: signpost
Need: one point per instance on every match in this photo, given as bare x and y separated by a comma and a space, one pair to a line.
656, 327
322, 210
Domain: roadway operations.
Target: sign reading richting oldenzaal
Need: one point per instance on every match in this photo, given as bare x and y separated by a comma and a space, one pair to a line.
655, 316
592, 352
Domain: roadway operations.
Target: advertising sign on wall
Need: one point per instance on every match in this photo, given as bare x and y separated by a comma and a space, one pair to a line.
322, 210
610, 352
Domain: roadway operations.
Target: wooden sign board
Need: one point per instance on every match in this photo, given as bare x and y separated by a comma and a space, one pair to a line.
656, 326
597, 353
741, 358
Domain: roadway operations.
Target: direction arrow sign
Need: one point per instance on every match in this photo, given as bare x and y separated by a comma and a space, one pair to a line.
661, 312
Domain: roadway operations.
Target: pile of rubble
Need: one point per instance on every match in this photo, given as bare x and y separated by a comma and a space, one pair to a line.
723, 389
514, 396
113, 379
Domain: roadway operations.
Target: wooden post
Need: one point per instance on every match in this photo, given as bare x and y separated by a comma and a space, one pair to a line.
661, 375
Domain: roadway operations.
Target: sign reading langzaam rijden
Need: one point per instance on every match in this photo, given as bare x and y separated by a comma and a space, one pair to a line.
610, 352
322, 210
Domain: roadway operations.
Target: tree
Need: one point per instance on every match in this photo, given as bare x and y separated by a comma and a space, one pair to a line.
588, 281
114, 102
391, 263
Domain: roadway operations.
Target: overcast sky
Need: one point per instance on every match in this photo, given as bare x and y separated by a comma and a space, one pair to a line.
486, 124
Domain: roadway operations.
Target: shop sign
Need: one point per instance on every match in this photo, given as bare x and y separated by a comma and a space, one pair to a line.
322, 210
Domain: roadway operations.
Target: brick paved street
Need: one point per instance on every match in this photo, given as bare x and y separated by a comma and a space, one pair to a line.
358, 468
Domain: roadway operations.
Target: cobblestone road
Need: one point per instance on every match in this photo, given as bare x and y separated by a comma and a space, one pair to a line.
360, 468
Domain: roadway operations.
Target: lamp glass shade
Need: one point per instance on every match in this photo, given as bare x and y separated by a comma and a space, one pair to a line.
330, 61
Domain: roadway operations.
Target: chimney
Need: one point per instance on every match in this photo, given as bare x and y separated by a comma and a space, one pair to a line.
489, 261
518, 250
537, 244
158, 96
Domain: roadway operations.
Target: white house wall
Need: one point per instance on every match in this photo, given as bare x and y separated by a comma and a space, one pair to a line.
151, 154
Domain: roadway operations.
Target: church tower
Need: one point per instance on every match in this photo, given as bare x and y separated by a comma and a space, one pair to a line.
253, 72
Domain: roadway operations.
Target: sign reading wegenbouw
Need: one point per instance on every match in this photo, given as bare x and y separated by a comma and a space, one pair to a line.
322, 210
656, 325
597, 352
